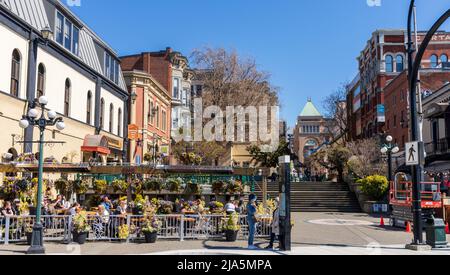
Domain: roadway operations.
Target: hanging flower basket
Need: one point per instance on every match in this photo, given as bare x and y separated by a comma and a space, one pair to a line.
80, 187
120, 186
100, 186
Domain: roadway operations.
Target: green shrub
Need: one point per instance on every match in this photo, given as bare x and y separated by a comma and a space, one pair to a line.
375, 187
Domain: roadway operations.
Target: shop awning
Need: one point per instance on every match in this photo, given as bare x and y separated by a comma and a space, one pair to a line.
436, 110
96, 144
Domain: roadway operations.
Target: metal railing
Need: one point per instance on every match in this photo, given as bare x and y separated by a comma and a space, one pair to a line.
442, 146
17, 229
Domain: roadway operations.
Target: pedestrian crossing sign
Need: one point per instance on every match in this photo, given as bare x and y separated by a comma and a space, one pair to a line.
412, 153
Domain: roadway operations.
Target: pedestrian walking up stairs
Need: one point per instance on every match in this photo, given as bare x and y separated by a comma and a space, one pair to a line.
317, 197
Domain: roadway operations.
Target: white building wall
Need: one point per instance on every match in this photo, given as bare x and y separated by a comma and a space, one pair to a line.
10, 41
56, 74
118, 103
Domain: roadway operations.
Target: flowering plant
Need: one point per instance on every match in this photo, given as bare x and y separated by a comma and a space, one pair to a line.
80, 186
151, 225
232, 223
100, 186
124, 232
120, 185
80, 223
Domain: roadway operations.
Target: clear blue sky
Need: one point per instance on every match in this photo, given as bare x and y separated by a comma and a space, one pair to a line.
309, 47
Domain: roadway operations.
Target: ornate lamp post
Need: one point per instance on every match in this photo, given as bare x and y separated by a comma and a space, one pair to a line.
389, 148
33, 119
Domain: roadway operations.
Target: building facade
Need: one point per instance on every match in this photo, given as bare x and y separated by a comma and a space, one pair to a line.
74, 68
354, 109
150, 114
311, 132
436, 131
382, 60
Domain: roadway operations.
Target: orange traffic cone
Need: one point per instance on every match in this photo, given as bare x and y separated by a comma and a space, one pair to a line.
447, 229
382, 222
408, 227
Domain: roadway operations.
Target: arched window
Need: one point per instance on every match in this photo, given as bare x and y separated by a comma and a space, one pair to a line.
15, 73
111, 117
444, 59
119, 122
434, 61
389, 63
89, 107
67, 97
102, 113
399, 63
41, 81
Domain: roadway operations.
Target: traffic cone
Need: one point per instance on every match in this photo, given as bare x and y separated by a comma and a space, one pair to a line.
408, 227
447, 228
382, 222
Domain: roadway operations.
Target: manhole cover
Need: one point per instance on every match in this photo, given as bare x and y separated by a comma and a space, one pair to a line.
340, 222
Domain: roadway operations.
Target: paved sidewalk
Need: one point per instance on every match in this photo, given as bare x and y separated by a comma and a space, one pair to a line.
313, 234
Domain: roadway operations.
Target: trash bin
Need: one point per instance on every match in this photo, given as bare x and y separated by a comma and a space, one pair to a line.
436, 236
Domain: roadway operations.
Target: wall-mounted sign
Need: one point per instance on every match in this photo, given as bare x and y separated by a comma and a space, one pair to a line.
381, 114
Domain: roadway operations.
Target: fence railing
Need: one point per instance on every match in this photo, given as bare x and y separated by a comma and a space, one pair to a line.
17, 229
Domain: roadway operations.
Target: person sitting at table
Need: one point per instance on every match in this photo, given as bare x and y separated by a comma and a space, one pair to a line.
107, 204
230, 208
121, 209
59, 204
75, 209
8, 210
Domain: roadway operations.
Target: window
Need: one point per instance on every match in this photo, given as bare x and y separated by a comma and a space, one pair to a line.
68, 34
111, 68
75, 41
102, 113
399, 63
119, 122
89, 108
15, 73
149, 114
176, 88
164, 121
59, 28
444, 59
157, 117
41, 81
434, 61
111, 117
389, 64
67, 98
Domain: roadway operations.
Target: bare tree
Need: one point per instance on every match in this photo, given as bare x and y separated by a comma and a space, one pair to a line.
230, 80
335, 106
367, 159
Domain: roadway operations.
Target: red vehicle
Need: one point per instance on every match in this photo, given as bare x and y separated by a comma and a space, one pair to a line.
401, 200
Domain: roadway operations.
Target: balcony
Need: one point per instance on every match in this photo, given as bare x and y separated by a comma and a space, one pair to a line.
437, 150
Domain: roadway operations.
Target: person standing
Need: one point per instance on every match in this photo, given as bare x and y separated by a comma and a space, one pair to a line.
252, 221
275, 225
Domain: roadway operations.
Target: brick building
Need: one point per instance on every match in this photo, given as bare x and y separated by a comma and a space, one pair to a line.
382, 60
354, 109
397, 101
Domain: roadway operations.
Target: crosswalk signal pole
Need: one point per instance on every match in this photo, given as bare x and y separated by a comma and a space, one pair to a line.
285, 203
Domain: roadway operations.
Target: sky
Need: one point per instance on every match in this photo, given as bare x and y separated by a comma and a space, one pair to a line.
308, 46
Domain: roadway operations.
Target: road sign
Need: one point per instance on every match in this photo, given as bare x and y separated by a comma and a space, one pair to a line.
412, 153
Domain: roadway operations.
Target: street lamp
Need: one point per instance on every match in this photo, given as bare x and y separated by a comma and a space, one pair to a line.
389, 148
33, 119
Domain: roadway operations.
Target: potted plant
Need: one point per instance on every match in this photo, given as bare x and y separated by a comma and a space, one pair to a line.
138, 205
231, 228
100, 186
165, 207
62, 185
234, 187
154, 185
124, 232
150, 228
192, 187
218, 187
216, 207
80, 228
120, 186
28, 227
80, 187
174, 185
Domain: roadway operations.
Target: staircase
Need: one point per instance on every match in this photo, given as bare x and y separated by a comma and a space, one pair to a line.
317, 197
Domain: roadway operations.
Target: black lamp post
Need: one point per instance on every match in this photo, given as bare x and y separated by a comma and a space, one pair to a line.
389, 148
413, 70
33, 119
